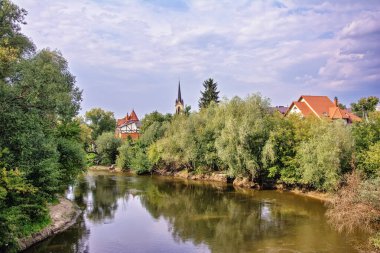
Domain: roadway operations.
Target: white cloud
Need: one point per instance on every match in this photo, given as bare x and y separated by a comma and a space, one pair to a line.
134, 49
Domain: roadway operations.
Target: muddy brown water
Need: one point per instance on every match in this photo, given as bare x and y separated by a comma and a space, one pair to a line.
154, 214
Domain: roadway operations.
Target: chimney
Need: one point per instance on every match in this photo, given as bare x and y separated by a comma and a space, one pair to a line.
336, 101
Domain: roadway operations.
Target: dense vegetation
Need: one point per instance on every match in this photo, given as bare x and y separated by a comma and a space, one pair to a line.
40, 145
42, 142
246, 138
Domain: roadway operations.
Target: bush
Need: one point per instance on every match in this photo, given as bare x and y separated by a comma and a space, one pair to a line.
91, 159
326, 156
71, 160
107, 145
346, 213
125, 155
133, 156
22, 210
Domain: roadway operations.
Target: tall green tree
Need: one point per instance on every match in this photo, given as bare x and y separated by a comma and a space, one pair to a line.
210, 93
39, 140
13, 44
100, 121
365, 105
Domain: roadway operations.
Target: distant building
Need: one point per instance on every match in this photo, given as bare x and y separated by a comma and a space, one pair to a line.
129, 126
378, 108
179, 105
321, 107
281, 109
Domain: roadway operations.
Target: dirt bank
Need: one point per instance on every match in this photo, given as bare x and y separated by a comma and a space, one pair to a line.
242, 182
185, 174
105, 168
63, 215
327, 197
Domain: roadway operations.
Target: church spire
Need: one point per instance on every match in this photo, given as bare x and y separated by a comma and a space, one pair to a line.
179, 105
179, 92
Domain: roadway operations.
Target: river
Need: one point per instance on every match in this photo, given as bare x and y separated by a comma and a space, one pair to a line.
155, 214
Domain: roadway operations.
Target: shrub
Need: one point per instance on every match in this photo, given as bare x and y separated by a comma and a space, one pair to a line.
133, 156
107, 145
71, 160
91, 159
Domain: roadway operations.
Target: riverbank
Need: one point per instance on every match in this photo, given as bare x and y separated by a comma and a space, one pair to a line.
63, 215
105, 168
220, 177
242, 182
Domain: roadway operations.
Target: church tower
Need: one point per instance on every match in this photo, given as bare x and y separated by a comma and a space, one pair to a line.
179, 106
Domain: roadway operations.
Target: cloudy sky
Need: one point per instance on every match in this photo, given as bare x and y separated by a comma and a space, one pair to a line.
129, 54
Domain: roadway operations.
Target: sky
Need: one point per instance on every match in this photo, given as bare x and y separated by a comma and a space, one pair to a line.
130, 54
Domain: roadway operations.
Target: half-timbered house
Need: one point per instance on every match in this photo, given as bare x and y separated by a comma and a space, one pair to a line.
129, 126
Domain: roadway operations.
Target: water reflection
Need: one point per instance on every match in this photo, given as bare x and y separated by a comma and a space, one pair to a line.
150, 214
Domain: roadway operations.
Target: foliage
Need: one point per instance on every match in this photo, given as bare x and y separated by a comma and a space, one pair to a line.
107, 145
100, 121
325, 156
125, 155
241, 141
210, 94
71, 160
356, 207
279, 152
91, 159
366, 135
22, 211
39, 136
13, 44
133, 156
153, 127
365, 105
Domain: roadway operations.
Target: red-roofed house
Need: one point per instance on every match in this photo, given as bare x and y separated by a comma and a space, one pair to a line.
128, 126
321, 107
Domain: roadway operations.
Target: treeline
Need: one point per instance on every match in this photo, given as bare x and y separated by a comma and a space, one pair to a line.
246, 138
41, 149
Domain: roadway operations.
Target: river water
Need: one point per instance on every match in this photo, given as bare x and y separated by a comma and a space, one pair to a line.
154, 214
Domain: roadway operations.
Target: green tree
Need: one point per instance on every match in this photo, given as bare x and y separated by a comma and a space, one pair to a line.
365, 105
100, 121
246, 130
107, 145
13, 44
325, 156
366, 135
38, 101
22, 210
209, 94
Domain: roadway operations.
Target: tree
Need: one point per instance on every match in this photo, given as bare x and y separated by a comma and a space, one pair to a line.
39, 140
210, 94
13, 44
325, 156
366, 135
100, 121
365, 105
107, 145
246, 130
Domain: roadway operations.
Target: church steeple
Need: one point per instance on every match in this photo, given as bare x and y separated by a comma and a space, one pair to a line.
179, 105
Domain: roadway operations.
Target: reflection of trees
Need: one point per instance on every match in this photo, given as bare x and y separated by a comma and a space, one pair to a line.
226, 222
73, 240
81, 189
103, 196
98, 194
